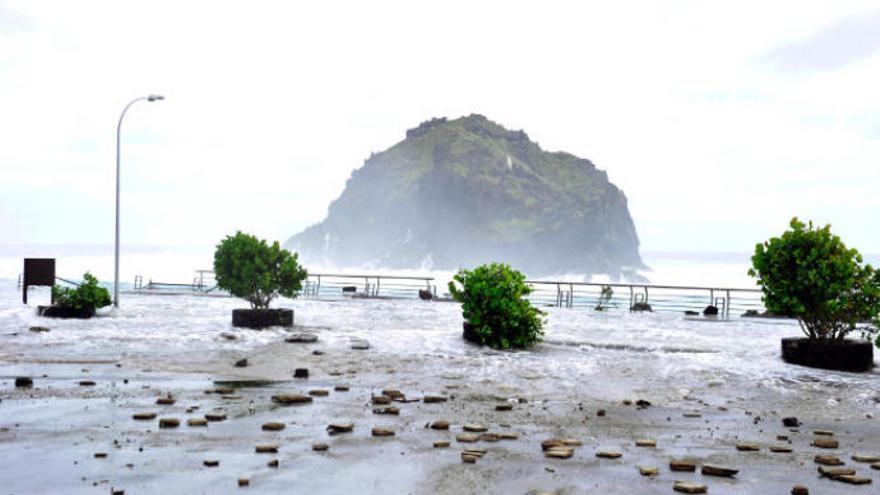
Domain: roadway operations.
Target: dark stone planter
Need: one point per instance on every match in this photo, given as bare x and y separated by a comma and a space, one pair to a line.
62, 312
470, 334
262, 318
848, 355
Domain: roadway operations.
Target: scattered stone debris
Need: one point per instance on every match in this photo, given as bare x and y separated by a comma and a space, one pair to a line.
197, 422
319, 392
215, 417
166, 401
169, 423
241, 363
228, 336
825, 443
301, 373
800, 490
648, 471
38, 329
645, 442
301, 338
607, 454
824, 433
287, 399
828, 460
475, 428
714, 470
467, 437
337, 428
380, 400
440, 425
144, 416
441, 444
269, 448
790, 422
320, 447
273, 426
244, 482
211, 463
559, 452
600, 413
781, 449
360, 345
748, 447
870, 459
682, 465
387, 410
831, 472
689, 487
273, 463
507, 406
381, 431
341, 388
643, 404
432, 399
100, 455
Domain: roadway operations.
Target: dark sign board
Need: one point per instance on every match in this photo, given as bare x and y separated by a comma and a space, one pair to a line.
37, 271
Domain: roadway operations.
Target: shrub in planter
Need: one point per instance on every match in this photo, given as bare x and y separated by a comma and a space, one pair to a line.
809, 274
494, 307
257, 272
77, 302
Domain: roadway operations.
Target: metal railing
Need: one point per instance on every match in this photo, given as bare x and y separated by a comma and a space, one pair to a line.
319, 285
660, 297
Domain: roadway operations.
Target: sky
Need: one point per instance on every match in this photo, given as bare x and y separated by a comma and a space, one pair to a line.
719, 120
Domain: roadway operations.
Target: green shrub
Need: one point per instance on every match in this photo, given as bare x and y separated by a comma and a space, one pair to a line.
87, 296
253, 270
493, 301
808, 273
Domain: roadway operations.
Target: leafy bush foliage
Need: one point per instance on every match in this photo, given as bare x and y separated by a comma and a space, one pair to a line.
493, 301
810, 274
253, 270
87, 296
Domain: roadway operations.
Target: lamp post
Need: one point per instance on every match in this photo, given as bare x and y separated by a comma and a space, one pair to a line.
150, 98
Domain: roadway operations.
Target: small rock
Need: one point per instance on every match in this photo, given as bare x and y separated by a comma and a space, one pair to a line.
393, 393
824, 433
211, 463
337, 428
559, 452
228, 336
852, 479
24, 382
197, 422
341, 388
836, 471
215, 417
748, 447
866, 458
600, 413
467, 437
273, 426
490, 437
781, 449
38, 329
692, 415
144, 416
468, 459
387, 410
800, 490
360, 345
782, 438
380, 400
432, 399
381, 431
645, 442
273, 463
828, 460
301, 373
302, 338
269, 448
825, 443
476, 428
165, 401
440, 425
441, 444
508, 436
287, 399
504, 407
648, 471
100, 455
244, 482
607, 454
790, 422
241, 363
876, 466
643, 404
169, 423
320, 447
689, 487
682, 465
319, 392
714, 470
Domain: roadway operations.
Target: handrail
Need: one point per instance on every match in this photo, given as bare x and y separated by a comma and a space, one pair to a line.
650, 286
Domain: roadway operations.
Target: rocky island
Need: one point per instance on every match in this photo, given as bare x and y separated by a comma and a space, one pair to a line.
456, 193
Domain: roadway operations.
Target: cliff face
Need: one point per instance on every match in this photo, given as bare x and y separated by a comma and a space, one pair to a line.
458, 193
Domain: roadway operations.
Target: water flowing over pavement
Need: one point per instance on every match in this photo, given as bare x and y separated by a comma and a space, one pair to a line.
711, 383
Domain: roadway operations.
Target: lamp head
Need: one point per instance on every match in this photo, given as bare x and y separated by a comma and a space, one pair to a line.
155, 98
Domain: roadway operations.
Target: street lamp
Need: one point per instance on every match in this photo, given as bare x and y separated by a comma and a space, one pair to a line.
150, 98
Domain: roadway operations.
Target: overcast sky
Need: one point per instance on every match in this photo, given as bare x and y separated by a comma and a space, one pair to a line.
719, 120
